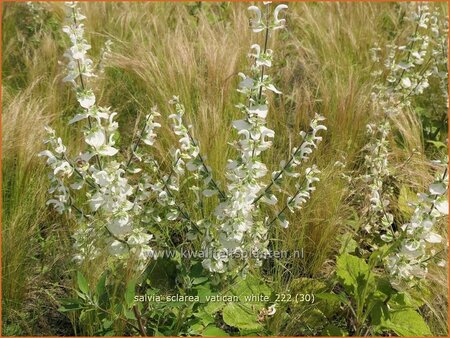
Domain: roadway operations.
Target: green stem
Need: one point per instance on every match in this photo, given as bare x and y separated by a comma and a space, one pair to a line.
136, 145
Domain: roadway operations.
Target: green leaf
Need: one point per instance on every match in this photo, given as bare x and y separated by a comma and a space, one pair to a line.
437, 144
70, 306
130, 293
213, 331
403, 300
195, 329
199, 280
100, 289
384, 286
332, 297
353, 272
333, 331
250, 286
379, 314
82, 283
107, 323
348, 243
314, 317
129, 314
237, 315
204, 317
213, 307
407, 323
204, 291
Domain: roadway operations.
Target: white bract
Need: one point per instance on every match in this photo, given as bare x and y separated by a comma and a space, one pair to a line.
127, 197
240, 228
414, 254
112, 220
406, 73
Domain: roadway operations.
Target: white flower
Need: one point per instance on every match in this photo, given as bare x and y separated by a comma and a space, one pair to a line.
86, 99
438, 188
117, 248
107, 150
101, 178
257, 49
78, 117
65, 168
272, 88
96, 139
433, 238
149, 134
241, 125
260, 110
284, 223
279, 23
60, 147
269, 199
51, 159
120, 225
256, 22
60, 206
442, 207
139, 238
246, 83
406, 82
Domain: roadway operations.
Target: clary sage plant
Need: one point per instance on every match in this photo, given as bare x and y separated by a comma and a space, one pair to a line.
125, 196
404, 76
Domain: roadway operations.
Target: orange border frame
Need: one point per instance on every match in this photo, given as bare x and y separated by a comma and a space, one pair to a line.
1, 107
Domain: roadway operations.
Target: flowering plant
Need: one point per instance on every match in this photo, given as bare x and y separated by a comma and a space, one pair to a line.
408, 72
126, 196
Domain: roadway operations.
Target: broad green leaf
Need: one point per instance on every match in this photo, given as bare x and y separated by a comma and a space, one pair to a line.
314, 318
204, 317
101, 293
384, 286
348, 245
250, 286
353, 272
195, 329
407, 323
341, 298
379, 314
213, 331
213, 307
237, 315
82, 283
403, 300
204, 291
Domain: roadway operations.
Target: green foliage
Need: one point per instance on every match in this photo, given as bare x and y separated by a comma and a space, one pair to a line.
35, 241
241, 316
371, 302
354, 274
334, 331
406, 323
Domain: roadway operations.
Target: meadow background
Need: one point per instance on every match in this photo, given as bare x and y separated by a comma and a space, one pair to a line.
194, 50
